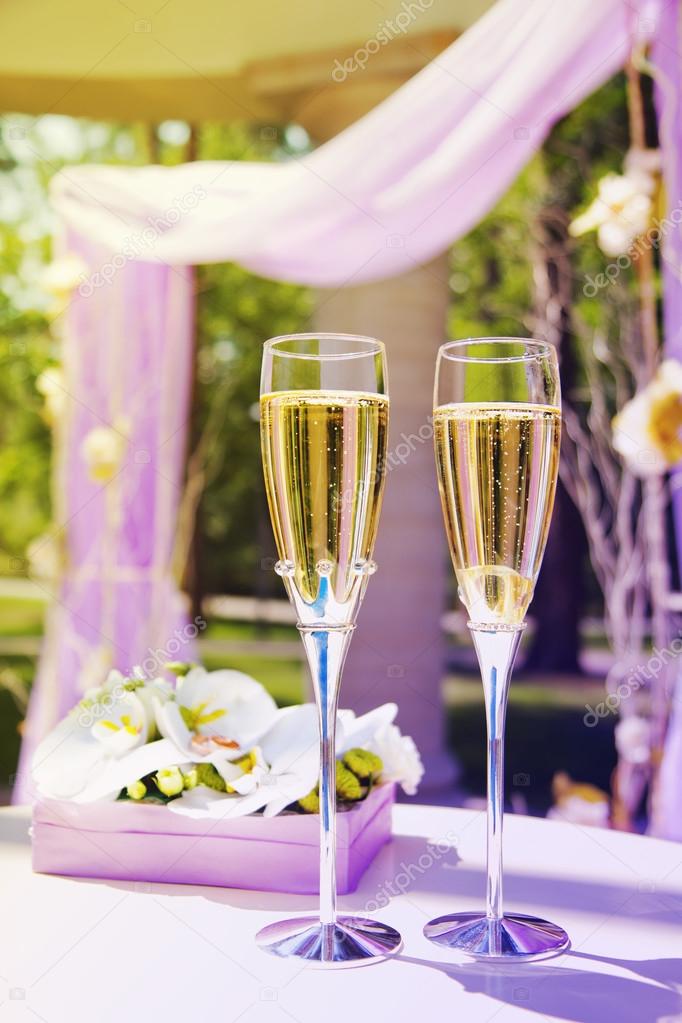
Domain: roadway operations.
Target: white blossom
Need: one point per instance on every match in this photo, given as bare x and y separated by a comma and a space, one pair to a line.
103, 449
399, 756
647, 432
102, 745
633, 739
51, 384
622, 210
63, 275
216, 717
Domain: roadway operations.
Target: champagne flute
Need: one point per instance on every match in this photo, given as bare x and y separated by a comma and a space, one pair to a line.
497, 426
324, 422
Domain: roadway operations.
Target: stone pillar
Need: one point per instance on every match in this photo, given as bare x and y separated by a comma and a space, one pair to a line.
397, 651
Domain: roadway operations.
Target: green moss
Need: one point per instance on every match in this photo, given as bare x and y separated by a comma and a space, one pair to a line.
362, 763
348, 785
311, 802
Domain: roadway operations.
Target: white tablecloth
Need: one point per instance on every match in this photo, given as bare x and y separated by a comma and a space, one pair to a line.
96, 951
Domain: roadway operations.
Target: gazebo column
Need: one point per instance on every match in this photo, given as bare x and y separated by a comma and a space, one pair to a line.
398, 649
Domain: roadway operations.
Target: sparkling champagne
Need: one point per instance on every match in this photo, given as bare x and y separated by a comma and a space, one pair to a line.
324, 460
497, 470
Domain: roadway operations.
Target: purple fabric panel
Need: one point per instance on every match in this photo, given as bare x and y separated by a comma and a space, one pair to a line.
666, 55
398, 186
667, 58
127, 356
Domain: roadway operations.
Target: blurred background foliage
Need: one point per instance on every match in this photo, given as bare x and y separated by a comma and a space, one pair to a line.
493, 284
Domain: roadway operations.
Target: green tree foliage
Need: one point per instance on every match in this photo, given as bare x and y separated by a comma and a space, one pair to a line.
491, 282
237, 311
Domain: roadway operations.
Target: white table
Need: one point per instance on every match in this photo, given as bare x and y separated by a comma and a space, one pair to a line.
95, 951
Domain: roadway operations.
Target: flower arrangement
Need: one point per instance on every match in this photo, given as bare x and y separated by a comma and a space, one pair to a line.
213, 744
615, 466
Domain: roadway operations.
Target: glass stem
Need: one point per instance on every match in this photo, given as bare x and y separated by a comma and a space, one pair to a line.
496, 650
326, 650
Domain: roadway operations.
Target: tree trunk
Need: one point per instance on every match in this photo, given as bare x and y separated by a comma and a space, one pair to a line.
557, 605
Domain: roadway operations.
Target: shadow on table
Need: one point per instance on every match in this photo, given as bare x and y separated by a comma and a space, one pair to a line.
578, 996
411, 865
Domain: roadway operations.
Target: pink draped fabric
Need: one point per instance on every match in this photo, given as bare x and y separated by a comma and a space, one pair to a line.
398, 186
387, 194
128, 366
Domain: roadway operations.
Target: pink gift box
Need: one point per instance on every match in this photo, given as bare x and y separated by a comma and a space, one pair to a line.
127, 841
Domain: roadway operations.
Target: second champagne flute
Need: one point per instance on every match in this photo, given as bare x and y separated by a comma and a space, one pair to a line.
497, 424
324, 423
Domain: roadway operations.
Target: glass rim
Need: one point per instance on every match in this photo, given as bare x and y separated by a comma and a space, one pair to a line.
368, 345
535, 349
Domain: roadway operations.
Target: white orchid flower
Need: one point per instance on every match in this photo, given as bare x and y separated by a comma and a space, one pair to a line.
151, 693
288, 763
102, 745
216, 716
123, 727
399, 756
647, 432
287, 769
623, 207
99, 701
353, 732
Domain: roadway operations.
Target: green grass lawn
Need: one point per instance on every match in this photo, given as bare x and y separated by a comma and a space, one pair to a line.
21, 617
545, 733
283, 678
219, 629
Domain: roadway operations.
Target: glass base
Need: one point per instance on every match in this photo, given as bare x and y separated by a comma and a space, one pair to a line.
355, 941
516, 937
